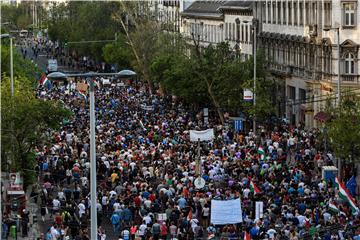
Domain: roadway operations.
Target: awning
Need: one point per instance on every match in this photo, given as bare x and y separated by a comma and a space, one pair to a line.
322, 116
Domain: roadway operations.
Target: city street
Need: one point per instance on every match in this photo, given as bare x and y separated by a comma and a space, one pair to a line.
180, 120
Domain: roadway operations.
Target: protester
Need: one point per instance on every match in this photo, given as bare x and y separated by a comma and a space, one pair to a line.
146, 167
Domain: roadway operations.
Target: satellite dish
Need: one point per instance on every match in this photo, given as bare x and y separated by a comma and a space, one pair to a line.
199, 183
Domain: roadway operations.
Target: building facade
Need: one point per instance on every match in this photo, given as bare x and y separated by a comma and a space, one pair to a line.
212, 22
300, 41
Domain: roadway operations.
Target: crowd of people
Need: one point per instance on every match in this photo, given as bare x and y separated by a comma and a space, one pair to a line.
146, 167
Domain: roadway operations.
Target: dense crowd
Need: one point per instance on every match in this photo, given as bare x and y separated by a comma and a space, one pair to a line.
146, 168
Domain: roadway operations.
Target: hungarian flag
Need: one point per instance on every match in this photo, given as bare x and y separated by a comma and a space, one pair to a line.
247, 236
333, 208
345, 195
43, 80
254, 189
261, 152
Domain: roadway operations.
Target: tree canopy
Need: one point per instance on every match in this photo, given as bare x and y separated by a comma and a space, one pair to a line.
24, 117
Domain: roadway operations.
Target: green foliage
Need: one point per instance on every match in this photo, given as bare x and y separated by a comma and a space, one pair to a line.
84, 21
24, 117
213, 75
118, 53
344, 128
19, 16
22, 67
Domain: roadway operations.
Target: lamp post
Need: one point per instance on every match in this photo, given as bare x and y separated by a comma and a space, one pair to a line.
254, 27
338, 82
339, 63
93, 191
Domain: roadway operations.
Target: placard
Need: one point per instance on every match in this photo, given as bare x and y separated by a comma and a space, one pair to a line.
206, 135
226, 212
259, 210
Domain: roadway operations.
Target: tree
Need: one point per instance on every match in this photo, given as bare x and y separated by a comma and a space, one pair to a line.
24, 117
118, 53
343, 128
84, 21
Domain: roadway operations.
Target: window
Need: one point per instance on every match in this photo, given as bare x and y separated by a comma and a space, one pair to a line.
307, 13
284, 13
274, 13
269, 13
314, 13
295, 14
302, 95
242, 33
301, 9
289, 13
349, 14
349, 64
263, 12
327, 7
246, 33
279, 12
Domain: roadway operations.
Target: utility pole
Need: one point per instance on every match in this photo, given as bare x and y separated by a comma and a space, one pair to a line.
254, 94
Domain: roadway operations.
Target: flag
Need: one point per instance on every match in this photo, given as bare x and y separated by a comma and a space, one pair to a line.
43, 80
261, 152
142, 125
254, 189
345, 195
247, 236
351, 186
189, 216
333, 208
83, 94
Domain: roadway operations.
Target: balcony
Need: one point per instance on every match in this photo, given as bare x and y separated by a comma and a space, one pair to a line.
350, 78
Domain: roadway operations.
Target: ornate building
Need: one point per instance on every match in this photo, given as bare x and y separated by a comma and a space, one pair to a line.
300, 41
213, 22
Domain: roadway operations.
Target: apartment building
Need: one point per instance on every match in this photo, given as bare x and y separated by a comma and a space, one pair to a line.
300, 41
212, 22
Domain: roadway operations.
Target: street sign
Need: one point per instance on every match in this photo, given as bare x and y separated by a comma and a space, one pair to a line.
238, 125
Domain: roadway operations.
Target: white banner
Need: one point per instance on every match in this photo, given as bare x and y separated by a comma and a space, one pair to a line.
206, 135
259, 210
226, 212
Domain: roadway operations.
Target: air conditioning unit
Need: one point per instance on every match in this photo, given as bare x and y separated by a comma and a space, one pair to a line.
313, 30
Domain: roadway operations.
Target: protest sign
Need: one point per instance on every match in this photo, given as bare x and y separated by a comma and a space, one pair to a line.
226, 212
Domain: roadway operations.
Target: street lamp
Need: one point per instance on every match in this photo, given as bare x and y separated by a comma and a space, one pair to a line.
254, 26
59, 76
339, 81
338, 48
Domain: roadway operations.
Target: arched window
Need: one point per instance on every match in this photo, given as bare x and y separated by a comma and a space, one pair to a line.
349, 64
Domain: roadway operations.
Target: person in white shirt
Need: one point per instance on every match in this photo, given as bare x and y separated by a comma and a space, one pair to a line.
246, 192
271, 233
82, 208
56, 205
142, 230
147, 219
